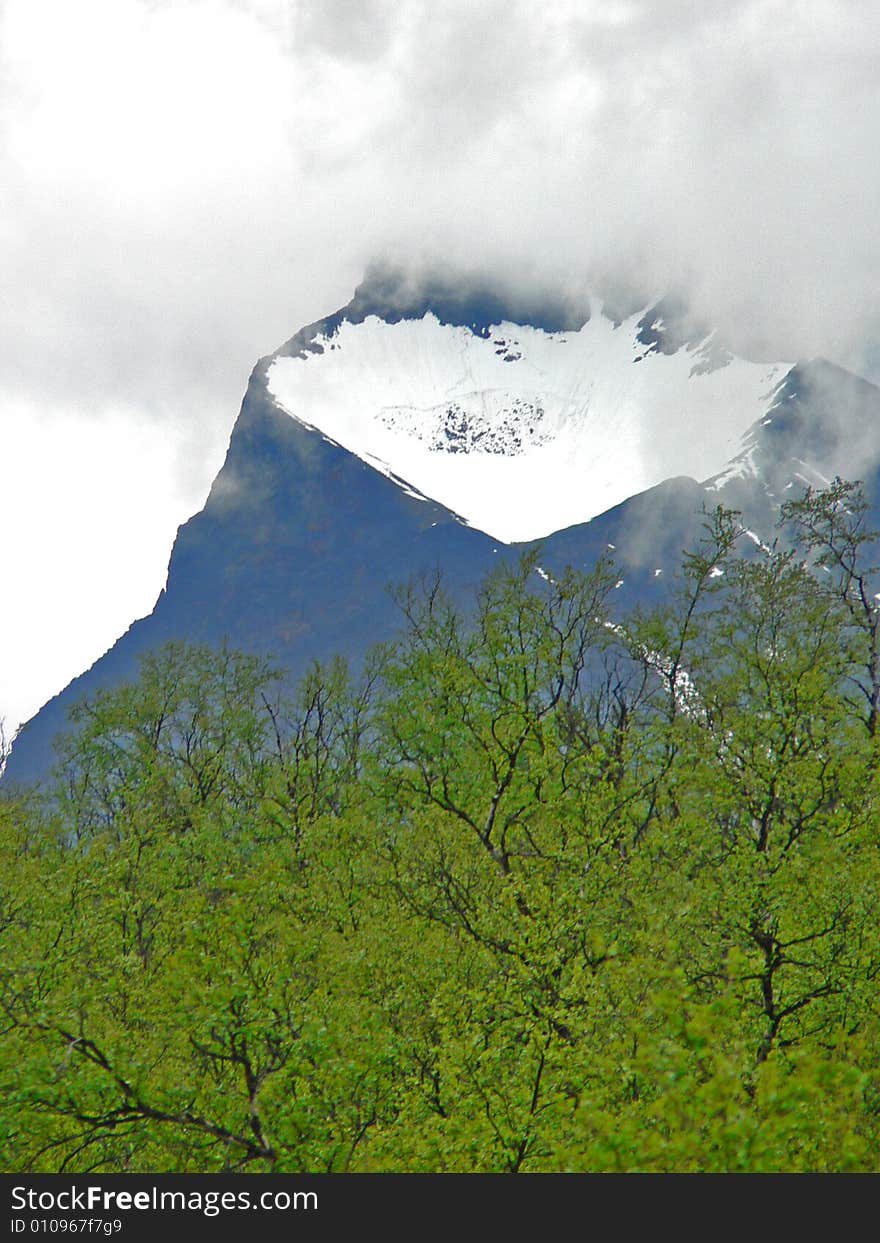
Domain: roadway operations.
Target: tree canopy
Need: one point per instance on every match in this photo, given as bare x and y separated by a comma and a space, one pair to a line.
540, 889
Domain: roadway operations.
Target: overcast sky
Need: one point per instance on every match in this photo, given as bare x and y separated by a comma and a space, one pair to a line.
183, 185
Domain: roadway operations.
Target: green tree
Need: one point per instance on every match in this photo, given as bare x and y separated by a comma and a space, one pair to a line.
544, 889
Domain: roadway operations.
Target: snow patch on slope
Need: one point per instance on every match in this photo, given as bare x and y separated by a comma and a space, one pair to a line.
523, 432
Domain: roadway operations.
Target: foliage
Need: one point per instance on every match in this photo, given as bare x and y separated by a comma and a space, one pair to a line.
542, 890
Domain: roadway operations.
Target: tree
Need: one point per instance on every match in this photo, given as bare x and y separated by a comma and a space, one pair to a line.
831, 526
169, 1001
543, 889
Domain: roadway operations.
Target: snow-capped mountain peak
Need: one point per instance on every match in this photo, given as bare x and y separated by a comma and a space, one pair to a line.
522, 429
524, 420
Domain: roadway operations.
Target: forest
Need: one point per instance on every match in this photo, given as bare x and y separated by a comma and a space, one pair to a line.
538, 889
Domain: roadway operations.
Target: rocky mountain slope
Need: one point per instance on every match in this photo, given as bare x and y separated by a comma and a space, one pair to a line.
432, 429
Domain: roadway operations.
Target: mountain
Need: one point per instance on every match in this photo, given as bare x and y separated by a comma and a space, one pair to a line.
523, 428
440, 427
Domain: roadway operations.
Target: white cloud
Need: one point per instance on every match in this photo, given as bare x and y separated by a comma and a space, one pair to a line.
183, 185
92, 522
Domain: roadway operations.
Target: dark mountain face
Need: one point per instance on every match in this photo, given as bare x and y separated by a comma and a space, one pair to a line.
474, 304
822, 422
299, 540
291, 556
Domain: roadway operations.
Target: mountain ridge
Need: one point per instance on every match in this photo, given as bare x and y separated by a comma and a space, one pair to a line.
292, 552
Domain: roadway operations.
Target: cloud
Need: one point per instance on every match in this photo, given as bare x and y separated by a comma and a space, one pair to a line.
185, 185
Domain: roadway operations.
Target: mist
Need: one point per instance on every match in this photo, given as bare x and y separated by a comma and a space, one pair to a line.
186, 185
